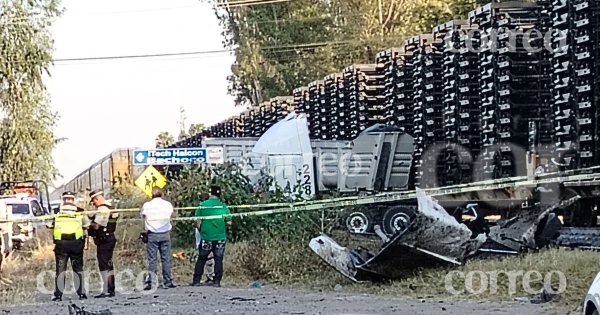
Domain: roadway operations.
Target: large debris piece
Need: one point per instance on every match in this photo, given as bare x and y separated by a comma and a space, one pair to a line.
531, 229
433, 238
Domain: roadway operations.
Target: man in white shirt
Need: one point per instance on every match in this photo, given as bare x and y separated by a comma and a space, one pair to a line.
156, 214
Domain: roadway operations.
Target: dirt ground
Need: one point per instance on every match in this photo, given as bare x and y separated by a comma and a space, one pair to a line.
199, 300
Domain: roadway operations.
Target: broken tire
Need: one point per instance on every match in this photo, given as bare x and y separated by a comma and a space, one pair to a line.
397, 219
357, 223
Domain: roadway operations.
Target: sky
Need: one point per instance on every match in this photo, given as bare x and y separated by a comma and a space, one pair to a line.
107, 104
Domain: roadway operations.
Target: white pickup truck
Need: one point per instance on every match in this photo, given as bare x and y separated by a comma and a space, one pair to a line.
24, 207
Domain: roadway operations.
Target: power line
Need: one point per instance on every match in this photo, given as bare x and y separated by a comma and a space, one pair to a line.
191, 53
278, 59
277, 48
246, 3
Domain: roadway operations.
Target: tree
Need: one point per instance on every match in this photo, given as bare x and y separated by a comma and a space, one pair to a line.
196, 129
281, 46
164, 139
26, 135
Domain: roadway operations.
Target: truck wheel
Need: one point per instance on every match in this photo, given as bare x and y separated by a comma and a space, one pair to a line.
397, 219
357, 223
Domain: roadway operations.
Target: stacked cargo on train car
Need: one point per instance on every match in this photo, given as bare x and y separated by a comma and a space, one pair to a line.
113, 169
512, 90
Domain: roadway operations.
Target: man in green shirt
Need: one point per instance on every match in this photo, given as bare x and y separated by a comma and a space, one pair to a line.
214, 236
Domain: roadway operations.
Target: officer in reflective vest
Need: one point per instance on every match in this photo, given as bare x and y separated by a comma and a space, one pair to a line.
102, 229
69, 244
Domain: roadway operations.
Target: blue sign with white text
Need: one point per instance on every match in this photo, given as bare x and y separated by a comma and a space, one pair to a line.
176, 156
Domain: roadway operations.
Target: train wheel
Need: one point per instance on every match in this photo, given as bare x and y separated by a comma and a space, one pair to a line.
398, 219
357, 223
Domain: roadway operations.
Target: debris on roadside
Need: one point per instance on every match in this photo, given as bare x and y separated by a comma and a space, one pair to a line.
522, 300
76, 310
544, 297
257, 284
432, 237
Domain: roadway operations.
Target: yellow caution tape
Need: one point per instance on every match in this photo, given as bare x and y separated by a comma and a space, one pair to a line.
511, 182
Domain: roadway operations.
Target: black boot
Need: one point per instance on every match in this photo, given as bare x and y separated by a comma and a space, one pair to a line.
104, 295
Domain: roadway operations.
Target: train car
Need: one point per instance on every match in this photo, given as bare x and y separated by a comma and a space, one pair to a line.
111, 170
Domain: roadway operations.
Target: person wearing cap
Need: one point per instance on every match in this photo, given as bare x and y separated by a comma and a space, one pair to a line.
102, 229
68, 197
68, 235
213, 234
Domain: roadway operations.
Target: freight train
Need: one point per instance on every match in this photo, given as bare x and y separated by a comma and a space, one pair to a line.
116, 168
514, 87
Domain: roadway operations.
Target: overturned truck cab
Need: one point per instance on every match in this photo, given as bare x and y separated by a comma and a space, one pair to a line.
435, 238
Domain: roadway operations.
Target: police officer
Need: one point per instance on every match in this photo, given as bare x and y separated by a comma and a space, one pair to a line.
102, 229
69, 244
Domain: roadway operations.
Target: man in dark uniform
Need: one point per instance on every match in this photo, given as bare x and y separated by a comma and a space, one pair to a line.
102, 229
69, 243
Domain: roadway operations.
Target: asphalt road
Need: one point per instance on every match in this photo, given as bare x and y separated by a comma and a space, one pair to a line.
203, 300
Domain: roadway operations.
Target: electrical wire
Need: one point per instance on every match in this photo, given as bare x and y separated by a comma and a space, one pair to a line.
277, 48
203, 56
246, 3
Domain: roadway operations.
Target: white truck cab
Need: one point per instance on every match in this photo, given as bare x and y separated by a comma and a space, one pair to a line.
25, 208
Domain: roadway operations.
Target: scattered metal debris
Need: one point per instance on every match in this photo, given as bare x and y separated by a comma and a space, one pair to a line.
431, 237
531, 229
242, 299
76, 310
544, 297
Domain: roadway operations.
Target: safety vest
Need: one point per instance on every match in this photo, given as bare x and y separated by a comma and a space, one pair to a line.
68, 223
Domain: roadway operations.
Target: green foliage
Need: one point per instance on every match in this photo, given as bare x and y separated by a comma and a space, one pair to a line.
26, 120
187, 188
196, 129
282, 46
164, 139
128, 196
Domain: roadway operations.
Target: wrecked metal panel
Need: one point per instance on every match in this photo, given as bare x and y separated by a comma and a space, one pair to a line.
337, 256
396, 259
436, 231
433, 238
391, 262
520, 231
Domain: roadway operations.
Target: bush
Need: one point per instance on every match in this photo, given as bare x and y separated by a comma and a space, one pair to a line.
186, 189
128, 196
